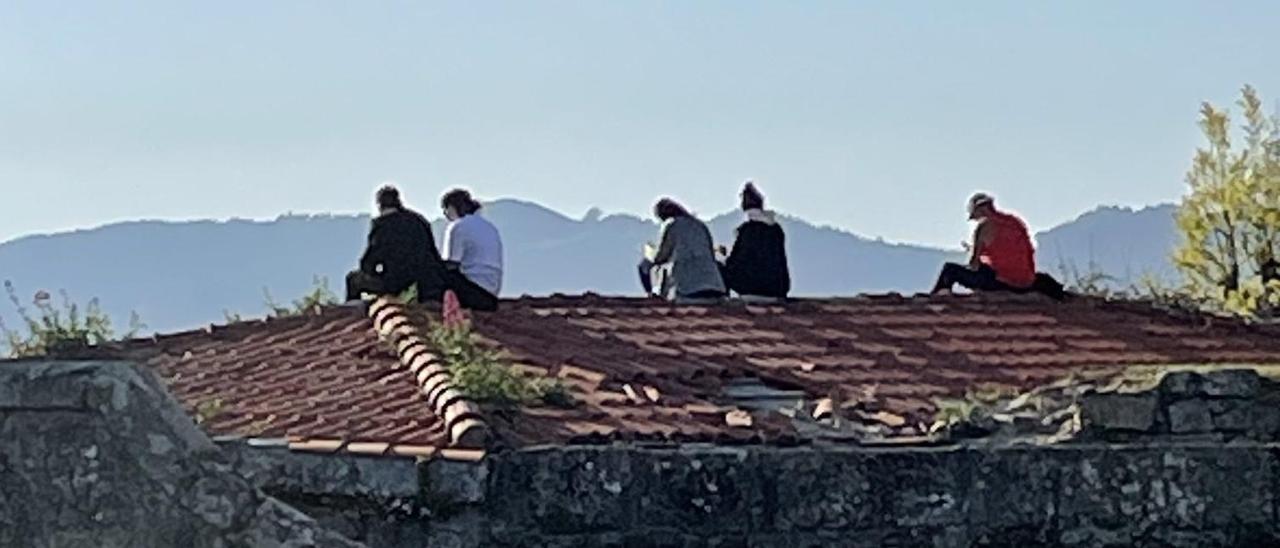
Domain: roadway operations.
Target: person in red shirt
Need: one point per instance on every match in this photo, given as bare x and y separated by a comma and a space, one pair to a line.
1003, 257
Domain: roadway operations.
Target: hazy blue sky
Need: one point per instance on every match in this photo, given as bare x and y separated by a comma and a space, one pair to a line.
878, 117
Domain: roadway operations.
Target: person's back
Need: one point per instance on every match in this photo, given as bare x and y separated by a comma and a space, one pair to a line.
473, 248
400, 252
475, 244
757, 265
1009, 250
689, 249
409, 250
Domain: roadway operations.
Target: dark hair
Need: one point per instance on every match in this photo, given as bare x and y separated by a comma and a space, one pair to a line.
667, 208
751, 197
388, 197
461, 201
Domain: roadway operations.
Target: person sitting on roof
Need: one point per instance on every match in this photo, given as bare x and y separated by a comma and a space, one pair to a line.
757, 264
473, 249
401, 252
683, 265
1002, 258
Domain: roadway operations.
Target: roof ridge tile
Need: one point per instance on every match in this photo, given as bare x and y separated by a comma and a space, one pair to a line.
462, 417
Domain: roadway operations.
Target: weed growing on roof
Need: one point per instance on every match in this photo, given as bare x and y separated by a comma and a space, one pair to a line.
1049, 412
317, 297
483, 374
1094, 282
553, 392
52, 328
208, 410
410, 295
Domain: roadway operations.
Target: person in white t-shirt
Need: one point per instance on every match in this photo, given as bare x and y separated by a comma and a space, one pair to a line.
472, 251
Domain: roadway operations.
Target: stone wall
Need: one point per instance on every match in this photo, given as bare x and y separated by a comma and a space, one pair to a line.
1189, 461
98, 454
1074, 495
378, 501
1225, 405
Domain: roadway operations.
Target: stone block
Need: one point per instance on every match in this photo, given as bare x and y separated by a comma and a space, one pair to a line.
1190, 416
952, 536
1116, 495
467, 529
1237, 480
278, 469
1265, 421
53, 386
1230, 383
1180, 384
1014, 495
1233, 383
539, 540
811, 490
706, 490
560, 491
1115, 411
638, 538
922, 488
669, 538
1232, 415
862, 538
99, 454
1100, 496
459, 482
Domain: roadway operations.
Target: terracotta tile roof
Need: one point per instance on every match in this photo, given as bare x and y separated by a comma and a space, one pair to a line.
320, 381
645, 370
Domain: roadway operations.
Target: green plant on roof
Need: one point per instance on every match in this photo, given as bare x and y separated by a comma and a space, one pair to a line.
1096, 282
55, 327
409, 295
1091, 281
208, 410
317, 297
483, 373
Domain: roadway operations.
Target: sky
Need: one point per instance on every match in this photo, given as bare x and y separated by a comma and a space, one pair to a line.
877, 117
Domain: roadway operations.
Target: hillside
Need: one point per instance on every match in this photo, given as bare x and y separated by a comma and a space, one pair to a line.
184, 274
1123, 242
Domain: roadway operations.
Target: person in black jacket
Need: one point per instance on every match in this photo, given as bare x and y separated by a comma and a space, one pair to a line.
401, 252
757, 265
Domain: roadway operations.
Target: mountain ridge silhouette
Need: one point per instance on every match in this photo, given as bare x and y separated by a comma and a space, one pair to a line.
184, 274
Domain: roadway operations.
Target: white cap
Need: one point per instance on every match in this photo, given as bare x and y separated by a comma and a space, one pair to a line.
979, 199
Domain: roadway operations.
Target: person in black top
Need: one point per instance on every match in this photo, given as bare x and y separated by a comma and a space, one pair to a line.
401, 252
757, 265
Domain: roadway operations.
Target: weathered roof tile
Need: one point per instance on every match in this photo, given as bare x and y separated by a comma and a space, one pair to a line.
648, 370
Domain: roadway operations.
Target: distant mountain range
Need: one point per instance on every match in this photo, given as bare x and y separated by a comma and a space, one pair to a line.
183, 274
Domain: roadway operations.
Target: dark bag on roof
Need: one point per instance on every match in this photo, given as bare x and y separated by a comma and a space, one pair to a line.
1048, 286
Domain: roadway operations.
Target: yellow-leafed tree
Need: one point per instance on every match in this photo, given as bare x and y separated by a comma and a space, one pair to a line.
1230, 218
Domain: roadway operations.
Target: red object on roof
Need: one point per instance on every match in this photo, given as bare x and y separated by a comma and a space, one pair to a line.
453, 315
648, 370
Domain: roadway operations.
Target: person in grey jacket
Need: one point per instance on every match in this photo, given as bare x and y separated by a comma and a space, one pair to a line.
683, 266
